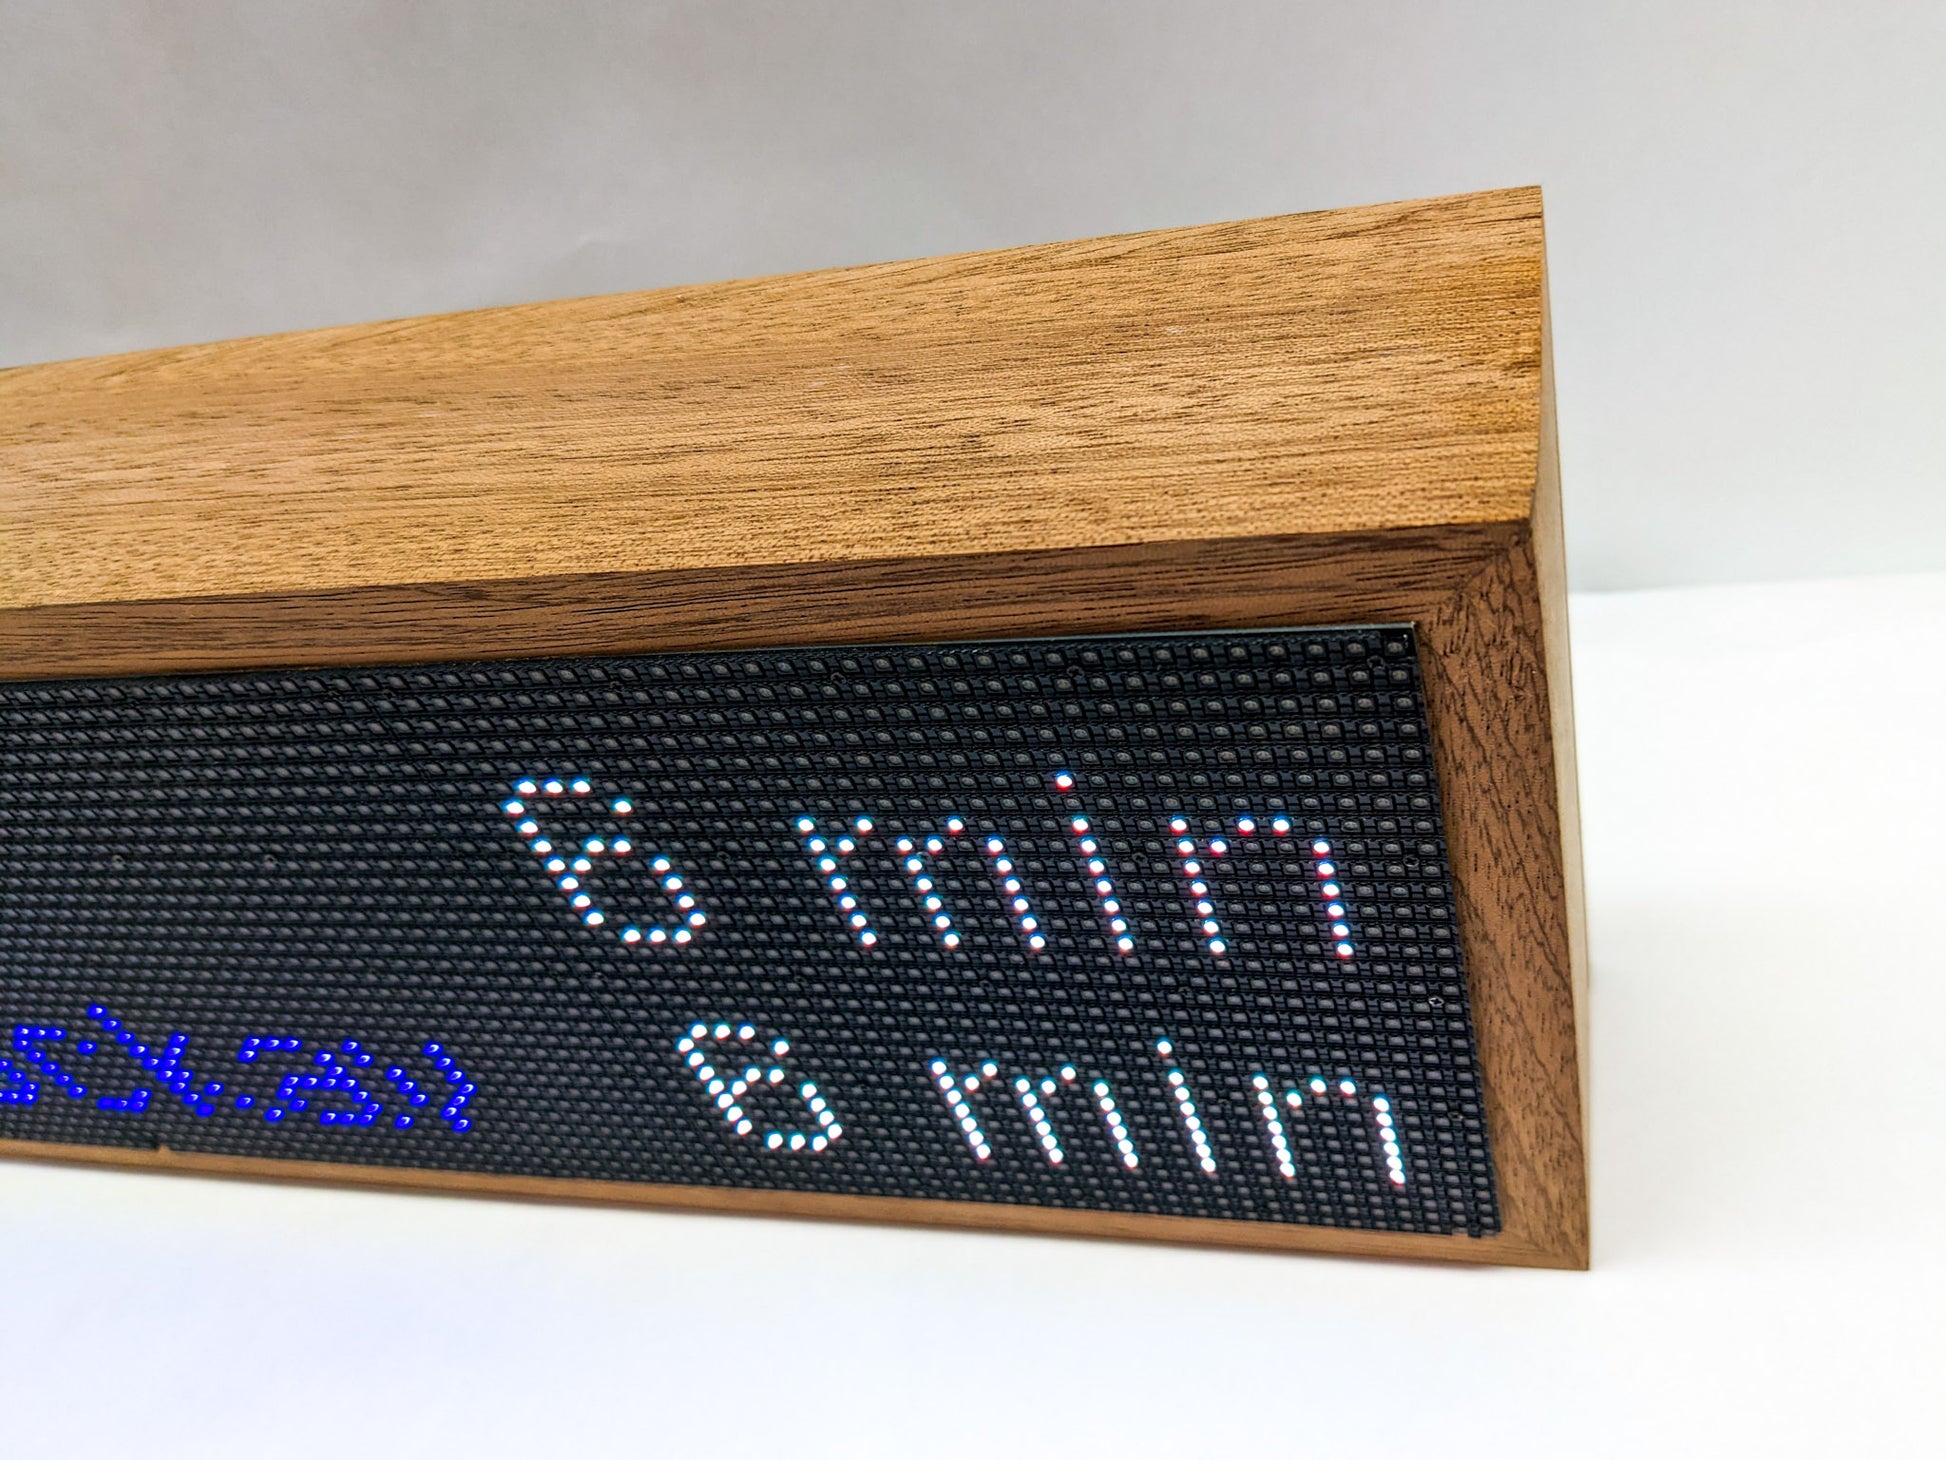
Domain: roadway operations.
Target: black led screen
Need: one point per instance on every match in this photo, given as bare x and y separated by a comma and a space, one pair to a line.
1157, 924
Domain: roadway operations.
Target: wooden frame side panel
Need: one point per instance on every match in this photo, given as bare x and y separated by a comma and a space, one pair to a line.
1490, 714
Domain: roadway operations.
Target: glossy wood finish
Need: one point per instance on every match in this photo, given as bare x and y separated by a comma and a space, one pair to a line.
1340, 417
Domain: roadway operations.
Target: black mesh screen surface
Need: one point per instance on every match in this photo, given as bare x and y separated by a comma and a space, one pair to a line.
1154, 924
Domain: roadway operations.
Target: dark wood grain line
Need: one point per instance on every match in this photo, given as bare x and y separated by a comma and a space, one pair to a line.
1264, 582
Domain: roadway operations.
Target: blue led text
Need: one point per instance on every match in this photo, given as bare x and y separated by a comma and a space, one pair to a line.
341, 1084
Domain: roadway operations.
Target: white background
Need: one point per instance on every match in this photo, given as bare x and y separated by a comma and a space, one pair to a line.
1747, 232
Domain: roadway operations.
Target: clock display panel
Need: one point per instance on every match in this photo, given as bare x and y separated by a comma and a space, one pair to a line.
1147, 924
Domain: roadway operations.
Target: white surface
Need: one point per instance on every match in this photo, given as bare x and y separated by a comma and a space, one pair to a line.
1746, 199
1765, 794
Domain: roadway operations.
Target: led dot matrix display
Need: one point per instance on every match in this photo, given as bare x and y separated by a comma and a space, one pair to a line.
1156, 924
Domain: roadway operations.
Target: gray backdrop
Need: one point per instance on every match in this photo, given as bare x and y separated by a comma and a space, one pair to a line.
1746, 202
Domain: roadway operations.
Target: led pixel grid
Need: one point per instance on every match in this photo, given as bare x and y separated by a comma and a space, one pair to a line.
1154, 924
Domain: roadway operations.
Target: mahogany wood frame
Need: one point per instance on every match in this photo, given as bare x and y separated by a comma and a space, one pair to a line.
1327, 418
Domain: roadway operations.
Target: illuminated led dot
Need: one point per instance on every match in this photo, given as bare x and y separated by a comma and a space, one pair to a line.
1104, 888
1064, 780
1274, 1128
553, 788
526, 788
1187, 1117
582, 788
1245, 825
624, 806
855, 919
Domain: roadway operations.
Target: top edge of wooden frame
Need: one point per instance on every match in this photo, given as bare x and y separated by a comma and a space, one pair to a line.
1350, 371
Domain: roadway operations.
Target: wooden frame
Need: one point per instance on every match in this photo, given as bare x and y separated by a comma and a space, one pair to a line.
1327, 418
